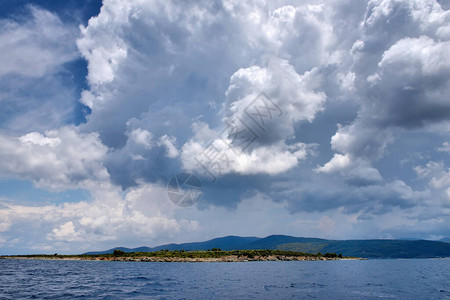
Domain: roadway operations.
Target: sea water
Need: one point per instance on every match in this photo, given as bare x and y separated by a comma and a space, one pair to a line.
344, 279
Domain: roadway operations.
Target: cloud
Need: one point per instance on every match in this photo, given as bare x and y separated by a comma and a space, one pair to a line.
366, 200
176, 54
445, 147
411, 84
65, 232
438, 176
5, 222
141, 137
356, 171
169, 142
359, 145
286, 94
303, 110
262, 108
406, 81
35, 46
141, 213
58, 159
36, 87
303, 58
401, 78
218, 159
144, 216
38, 139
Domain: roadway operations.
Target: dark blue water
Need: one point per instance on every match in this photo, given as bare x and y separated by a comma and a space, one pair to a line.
369, 279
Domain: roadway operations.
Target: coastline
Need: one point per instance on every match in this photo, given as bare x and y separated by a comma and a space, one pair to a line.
230, 258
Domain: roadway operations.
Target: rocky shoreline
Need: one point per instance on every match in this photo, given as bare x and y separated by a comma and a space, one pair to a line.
231, 258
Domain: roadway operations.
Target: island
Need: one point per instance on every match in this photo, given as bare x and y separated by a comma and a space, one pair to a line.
210, 255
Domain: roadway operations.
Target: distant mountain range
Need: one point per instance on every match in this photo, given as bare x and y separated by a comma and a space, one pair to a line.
408, 248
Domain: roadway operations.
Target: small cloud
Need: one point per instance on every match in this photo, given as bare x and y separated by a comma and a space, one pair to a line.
65, 232
169, 143
141, 137
444, 148
38, 139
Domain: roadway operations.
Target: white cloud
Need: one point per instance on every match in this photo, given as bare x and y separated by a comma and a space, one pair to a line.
337, 163
169, 80
218, 159
359, 147
5, 222
100, 45
438, 176
38, 139
178, 63
401, 73
298, 55
298, 96
37, 46
65, 232
36, 87
141, 137
169, 143
354, 170
142, 213
445, 147
263, 106
58, 159
437, 172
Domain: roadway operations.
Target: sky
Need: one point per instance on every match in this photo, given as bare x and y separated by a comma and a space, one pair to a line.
315, 118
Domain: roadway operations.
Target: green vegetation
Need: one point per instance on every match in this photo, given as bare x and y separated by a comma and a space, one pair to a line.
213, 253
348, 248
118, 253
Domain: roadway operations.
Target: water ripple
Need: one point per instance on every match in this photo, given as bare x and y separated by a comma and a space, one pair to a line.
371, 279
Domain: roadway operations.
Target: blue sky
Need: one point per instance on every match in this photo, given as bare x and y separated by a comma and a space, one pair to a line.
310, 118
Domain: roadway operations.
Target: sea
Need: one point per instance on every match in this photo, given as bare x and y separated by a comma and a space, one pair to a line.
342, 279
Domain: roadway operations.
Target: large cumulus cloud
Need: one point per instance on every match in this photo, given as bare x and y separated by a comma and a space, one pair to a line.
189, 73
208, 61
401, 78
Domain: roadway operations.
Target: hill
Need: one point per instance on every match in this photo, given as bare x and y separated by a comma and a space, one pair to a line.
356, 248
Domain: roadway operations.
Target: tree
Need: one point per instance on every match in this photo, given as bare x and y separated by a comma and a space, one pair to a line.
330, 255
118, 253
